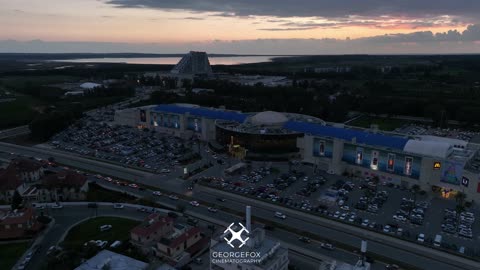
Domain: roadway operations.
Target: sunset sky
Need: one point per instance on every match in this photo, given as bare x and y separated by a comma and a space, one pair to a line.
242, 26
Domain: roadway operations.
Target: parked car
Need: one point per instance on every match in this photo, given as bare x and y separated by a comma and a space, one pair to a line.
56, 206
105, 227
39, 206
118, 206
280, 215
421, 238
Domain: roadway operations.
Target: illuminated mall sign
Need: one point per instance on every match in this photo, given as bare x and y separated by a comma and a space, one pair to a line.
437, 165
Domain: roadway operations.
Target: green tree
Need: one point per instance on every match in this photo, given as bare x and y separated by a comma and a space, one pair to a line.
460, 197
16, 200
376, 181
415, 190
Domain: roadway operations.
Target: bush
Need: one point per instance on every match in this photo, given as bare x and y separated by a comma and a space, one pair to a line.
44, 219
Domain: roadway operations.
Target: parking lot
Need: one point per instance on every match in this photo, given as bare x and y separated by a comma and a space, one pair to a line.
385, 208
419, 129
128, 146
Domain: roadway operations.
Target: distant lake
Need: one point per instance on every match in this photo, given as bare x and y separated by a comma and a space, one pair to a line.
231, 60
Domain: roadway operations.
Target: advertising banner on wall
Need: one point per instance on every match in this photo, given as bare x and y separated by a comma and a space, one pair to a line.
374, 161
452, 173
391, 162
465, 181
359, 156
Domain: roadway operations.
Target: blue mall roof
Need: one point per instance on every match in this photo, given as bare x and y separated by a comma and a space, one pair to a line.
203, 112
362, 137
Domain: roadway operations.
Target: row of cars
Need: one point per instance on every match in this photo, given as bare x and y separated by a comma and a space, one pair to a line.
372, 203
460, 223
411, 211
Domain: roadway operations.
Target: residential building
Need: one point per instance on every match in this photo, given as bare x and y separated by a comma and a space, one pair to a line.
19, 223
107, 259
179, 246
9, 182
153, 228
61, 186
17, 175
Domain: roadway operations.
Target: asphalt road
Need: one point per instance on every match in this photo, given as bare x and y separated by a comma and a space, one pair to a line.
294, 221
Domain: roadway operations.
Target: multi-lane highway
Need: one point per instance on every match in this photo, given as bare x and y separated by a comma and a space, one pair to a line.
414, 255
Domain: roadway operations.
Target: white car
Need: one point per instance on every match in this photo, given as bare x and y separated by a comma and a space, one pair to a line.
280, 215
39, 206
173, 197
194, 203
365, 222
345, 208
157, 193
101, 244
387, 228
421, 238
56, 206
211, 209
105, 227
118, 206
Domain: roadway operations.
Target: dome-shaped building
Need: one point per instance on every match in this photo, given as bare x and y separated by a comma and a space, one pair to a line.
268, 118
263, 134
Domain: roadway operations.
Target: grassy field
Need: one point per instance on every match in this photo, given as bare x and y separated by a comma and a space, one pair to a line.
90, 230
97, 194
10, 253
387, 124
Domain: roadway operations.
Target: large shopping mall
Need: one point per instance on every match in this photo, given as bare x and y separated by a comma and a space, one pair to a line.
444, 164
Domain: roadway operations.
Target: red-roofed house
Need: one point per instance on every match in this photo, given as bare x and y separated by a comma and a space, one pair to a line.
29, 170
16, 175
17, 224
9, 182
61, 186
152, 229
